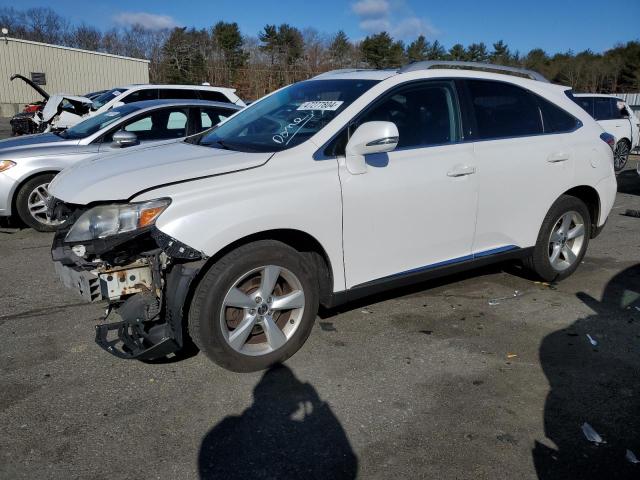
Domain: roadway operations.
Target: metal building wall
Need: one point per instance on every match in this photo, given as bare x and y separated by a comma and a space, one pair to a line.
67, 70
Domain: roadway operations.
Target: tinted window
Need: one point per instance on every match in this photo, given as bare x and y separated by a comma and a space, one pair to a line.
555, 119
162, 124
141, 96
178, 94
603, 108
424, 115
586, 103
213, 96
212, 116
503, 110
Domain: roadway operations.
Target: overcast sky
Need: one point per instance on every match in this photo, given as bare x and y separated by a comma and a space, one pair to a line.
554, 25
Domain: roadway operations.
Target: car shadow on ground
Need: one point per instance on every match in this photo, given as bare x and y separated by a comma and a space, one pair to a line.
288, 432
629, 181
597, 384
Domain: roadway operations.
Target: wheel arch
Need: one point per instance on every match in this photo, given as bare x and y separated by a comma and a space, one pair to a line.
297, 239
22, 182
591, 198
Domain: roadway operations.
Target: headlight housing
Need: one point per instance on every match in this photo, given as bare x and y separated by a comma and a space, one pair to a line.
6, 165
107, 220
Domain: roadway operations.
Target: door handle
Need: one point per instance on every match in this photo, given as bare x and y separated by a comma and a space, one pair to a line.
461, 171
558, 157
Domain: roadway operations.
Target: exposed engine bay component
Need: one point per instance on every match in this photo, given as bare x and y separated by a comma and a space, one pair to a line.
145, 276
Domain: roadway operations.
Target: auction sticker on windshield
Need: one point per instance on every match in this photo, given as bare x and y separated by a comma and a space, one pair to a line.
330, 105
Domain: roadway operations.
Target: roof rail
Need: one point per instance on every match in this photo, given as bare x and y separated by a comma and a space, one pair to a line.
341, 70
428, 64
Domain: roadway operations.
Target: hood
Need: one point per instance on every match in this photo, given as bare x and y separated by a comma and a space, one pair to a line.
39, 141
80, 105
32, 84
121, 176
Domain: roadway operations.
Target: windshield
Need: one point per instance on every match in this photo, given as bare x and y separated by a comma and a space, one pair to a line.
288, 117
106, 97
93, 124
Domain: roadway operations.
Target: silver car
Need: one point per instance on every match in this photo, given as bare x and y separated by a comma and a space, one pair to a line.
28, 163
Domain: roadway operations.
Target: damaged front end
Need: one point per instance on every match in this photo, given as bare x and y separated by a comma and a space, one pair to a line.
143, 274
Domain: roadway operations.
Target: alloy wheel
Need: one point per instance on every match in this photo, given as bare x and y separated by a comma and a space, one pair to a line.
262, 310
620, 155
566, 240
37, 205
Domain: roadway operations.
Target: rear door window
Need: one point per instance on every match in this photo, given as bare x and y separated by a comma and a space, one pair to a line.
503, 110
602, 108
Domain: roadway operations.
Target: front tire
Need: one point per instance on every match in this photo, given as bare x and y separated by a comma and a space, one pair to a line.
254, 307
31, 203
621, 155
562, 241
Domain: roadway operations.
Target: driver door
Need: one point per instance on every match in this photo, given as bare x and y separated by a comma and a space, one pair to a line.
415, 207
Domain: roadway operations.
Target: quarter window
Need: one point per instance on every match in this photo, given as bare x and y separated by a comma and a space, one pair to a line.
213, 96
555, 119
503, 110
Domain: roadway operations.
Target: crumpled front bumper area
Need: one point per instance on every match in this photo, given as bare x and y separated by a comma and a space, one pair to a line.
146, 284
151, 328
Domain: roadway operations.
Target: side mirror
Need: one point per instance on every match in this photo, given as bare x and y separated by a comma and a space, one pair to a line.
122, 139
117, 104
370, 137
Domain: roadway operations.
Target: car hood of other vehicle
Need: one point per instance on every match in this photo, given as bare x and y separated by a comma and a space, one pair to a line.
121, 176
40, 145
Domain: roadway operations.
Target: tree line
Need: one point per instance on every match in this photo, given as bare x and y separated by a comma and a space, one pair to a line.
282, 54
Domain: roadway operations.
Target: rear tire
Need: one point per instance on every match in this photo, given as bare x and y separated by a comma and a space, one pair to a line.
562, 241
31, 203
266, 290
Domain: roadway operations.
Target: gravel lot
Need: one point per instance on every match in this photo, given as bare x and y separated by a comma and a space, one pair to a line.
431, 382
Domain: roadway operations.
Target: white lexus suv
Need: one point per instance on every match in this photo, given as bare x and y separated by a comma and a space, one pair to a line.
325, 191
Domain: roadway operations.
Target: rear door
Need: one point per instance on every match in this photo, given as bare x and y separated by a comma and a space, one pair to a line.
522, 167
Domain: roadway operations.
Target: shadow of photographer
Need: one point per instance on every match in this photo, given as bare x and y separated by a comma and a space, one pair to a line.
288, 432
597, 384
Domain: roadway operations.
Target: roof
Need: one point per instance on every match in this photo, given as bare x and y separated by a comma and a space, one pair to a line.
92, 52
177, 87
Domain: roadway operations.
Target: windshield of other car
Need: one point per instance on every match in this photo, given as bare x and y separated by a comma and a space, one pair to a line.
93, 124
288, 117
106, 97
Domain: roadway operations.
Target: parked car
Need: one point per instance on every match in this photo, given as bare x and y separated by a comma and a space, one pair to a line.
326, 191
616, 118
62, 110
27, 164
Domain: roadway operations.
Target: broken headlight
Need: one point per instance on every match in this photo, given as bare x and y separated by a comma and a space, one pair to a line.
107, 220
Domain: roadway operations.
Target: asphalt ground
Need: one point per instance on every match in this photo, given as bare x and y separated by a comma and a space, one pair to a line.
440, 381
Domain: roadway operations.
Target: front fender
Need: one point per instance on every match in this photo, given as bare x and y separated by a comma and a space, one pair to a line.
210, 214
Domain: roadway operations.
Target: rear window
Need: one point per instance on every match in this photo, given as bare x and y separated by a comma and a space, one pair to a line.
503, 110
